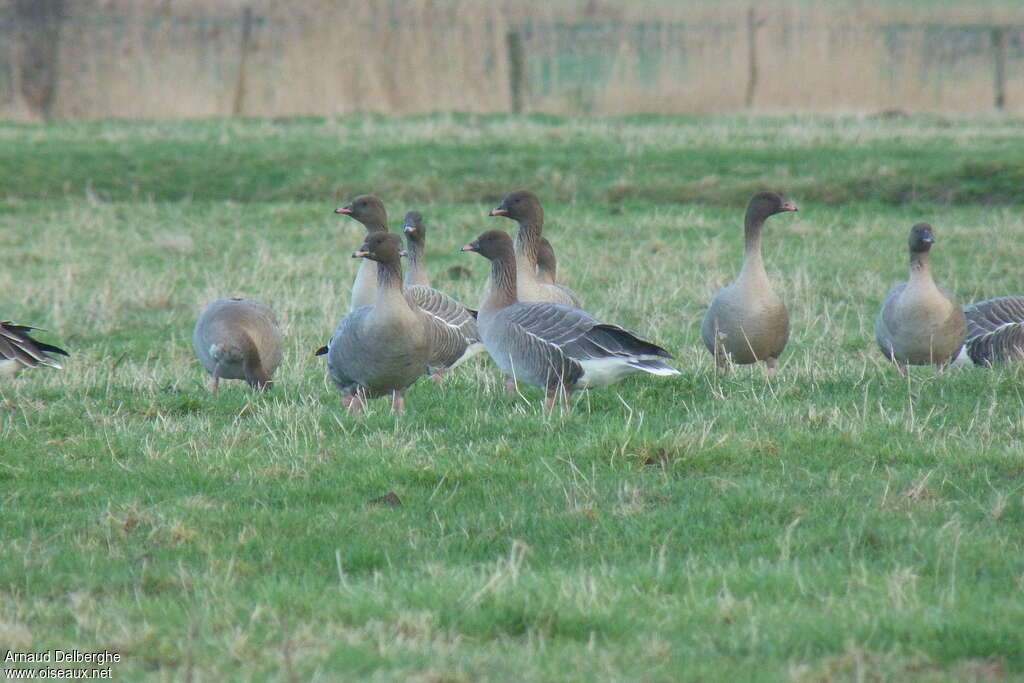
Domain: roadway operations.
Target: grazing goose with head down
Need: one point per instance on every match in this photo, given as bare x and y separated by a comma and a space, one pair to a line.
747, 321
385, 347
554, 346
920, 324
238, 339
523, 207
995, 331
19, 350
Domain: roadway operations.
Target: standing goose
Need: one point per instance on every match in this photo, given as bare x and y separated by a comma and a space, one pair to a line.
368, 210
238, 339
747, 321
19, 350
385, 347
549, 345
920, 324
995, 331
523, 207
454, 348
416, 242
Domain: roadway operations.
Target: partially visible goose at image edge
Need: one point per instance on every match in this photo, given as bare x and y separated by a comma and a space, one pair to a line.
553, 346
524, 208
238, 339
995, 331
746, 321
19, 350
920, 323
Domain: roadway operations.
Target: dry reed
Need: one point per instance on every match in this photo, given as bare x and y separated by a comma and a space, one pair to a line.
182, 58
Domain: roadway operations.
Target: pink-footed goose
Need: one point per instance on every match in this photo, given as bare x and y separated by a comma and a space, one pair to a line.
920, 324
557, 347
524, 208
995, 331
416, 245
19, 350
746, 321
385, 347
369, 210
238, 339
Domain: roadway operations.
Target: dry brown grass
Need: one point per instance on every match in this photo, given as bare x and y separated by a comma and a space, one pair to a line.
180, 58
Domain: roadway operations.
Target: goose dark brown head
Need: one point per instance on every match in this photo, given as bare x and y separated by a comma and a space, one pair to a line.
921, 238
368, 210
413, 228
764, 204
492, 245
521, 206
382, 247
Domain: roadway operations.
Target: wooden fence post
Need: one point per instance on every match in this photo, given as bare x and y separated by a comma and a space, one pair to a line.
516, 69
236, 106
999, 59
753, 24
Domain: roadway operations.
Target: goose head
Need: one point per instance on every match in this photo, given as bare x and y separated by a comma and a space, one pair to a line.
368, 210
382, 247
521, 206
921, 238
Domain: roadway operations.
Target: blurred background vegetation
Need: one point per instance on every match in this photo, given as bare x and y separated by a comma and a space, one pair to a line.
99, 59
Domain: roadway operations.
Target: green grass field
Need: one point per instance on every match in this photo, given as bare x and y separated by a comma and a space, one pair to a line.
840, 523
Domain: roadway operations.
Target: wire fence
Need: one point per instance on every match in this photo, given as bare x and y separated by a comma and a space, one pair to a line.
93, 59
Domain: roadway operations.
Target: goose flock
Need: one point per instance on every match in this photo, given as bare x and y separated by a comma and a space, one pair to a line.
535, 329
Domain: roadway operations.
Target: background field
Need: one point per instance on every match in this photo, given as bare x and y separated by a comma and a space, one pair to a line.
840, 523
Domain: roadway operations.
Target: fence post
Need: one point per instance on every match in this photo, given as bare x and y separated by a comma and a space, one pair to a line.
36, 43
999, 59
236, 106
516, 69
753, 23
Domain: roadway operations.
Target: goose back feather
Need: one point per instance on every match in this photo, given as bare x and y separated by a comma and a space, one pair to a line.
19, 350
995, 330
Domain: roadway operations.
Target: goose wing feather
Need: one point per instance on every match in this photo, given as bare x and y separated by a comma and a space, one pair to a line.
17, 344
995, 330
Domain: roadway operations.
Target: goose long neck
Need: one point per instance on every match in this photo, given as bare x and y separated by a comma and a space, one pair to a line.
389, 280
920, 267
503, 282
374, 225
528, 239
416, 258
752, 260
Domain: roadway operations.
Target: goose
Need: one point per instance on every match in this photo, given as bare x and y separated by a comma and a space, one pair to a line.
920, 324
238, 339
453, 349
523, 207
19, 350
557, 347
416, 238
385, 347
547, 268
746, 321
995, 331
368, 210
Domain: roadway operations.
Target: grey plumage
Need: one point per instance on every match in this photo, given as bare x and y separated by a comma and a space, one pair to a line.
386, 347
554, 346
995, 330
238, 339
19, 350
455, 336
919, 323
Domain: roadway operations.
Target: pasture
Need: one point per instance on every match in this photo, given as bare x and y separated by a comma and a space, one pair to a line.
838, 523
